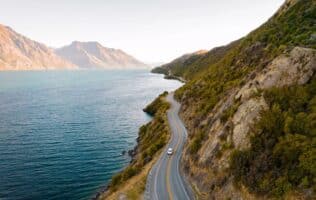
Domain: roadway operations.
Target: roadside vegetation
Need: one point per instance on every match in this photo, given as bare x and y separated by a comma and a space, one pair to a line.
157, 105
152, 138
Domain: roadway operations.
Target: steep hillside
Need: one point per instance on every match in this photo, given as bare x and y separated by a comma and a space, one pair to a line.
94, 55
20, 53
250, 111
175, 67
152, 137
193, 65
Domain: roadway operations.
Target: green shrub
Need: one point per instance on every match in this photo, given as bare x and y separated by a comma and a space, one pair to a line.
283, 149
157, 104
152, 137
196, 143
230, 111
129, 172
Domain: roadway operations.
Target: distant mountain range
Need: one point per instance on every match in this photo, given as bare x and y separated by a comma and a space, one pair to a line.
18, 52
93, 55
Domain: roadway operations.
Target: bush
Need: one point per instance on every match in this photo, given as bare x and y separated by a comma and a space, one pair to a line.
152, 137
282, 155
157, 104
196, 143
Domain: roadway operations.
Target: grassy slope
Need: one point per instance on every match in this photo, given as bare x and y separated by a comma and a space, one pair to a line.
293, 28
152, 138
194, 65
212, 78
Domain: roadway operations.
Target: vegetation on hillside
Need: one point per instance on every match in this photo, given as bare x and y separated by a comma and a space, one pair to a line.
293, 28
282, 156
152, 137
282, 153
193, 65
156, 105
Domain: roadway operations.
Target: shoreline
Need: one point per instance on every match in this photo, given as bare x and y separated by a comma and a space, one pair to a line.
131, 153
142, 154
173, 77
170, 76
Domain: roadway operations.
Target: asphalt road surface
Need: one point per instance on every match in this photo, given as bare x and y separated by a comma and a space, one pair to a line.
164, 181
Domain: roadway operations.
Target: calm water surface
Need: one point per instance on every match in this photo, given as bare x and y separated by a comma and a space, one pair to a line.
62, 132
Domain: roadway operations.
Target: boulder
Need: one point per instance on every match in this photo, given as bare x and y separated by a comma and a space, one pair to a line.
245, 116
296, 68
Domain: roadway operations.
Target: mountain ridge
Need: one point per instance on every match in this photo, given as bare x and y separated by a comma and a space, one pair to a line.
190, 65
93, 55
18, 52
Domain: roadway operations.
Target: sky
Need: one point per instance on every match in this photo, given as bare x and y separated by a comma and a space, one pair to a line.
150, 30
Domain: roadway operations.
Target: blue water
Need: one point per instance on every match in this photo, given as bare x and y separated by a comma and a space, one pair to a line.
62, 132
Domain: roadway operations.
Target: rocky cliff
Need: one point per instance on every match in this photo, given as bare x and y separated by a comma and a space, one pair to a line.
222, 138
93, 55
250, 111
20, 53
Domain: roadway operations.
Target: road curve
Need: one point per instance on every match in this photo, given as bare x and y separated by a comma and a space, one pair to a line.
164, 181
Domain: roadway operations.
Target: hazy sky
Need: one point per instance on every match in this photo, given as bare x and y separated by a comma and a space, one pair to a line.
151, 30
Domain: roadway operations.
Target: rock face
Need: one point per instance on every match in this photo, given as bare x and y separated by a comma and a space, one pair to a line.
295, 68
244, 118
92, 55
20, 53
224, 136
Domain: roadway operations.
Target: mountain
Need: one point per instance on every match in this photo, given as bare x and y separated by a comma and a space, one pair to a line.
93, 55
250, 111
189, 65
177, 64
17, 52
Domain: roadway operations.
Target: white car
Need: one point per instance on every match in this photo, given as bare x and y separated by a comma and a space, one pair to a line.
170, 151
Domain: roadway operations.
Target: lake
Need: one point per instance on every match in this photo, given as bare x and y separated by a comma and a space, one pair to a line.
62, 133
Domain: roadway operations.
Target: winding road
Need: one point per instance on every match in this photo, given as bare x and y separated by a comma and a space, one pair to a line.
164, 181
